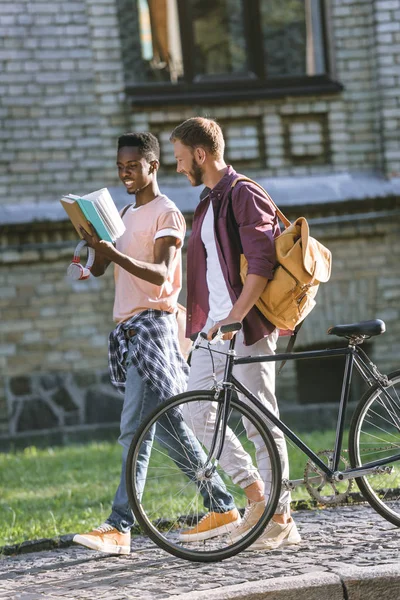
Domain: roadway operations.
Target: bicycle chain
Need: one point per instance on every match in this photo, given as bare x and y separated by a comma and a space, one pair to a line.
376, 449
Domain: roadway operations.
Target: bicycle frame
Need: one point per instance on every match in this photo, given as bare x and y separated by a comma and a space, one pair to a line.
354, 356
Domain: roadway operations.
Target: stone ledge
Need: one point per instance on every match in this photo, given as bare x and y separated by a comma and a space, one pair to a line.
382, 581
64, 541
346, 583
311, 586
289, 191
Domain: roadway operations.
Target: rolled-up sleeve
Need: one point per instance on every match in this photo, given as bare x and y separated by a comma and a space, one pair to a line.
257, 221
171, 223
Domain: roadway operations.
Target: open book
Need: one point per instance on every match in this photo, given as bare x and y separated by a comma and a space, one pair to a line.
99, 209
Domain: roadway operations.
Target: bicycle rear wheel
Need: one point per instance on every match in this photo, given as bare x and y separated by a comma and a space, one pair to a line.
375, 434
176, 485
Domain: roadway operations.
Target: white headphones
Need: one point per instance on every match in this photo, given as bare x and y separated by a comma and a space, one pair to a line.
75, 270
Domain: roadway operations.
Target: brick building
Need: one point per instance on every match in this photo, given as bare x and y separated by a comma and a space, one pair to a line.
308, 95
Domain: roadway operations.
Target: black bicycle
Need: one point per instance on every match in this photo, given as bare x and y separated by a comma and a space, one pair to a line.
172, 498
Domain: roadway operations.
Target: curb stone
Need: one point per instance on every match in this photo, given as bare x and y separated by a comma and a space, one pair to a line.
63, 541
311, 586
348, 583
381, 582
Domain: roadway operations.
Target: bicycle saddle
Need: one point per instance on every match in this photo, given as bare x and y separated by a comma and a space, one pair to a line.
369, 328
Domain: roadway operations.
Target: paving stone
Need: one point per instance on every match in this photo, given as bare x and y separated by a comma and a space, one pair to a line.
332, 540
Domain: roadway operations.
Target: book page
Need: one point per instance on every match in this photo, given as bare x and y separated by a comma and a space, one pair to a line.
106, 220
105, 204
106, 200
71, 196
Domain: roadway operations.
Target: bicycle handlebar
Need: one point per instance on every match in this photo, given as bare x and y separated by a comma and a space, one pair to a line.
223, 329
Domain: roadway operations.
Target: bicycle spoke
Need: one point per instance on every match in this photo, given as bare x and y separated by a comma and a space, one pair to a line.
175, 486
375, 434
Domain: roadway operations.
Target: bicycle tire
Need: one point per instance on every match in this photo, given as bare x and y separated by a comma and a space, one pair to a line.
151, 510
375, 433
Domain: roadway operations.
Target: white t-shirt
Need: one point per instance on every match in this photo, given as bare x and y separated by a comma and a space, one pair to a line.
219, 299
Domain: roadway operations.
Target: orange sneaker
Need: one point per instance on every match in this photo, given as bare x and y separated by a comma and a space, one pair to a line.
105, 539
211, 525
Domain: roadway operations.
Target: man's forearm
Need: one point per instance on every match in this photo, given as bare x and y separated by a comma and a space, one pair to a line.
152, 272
100, 265
254, 286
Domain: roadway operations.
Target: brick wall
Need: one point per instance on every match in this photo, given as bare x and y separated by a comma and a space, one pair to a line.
53, 332
387, 36
48, 324
356, 129
364, 285
62, 98
63, 67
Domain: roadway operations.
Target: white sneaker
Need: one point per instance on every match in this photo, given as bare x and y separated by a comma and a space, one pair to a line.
251, 516
277, 535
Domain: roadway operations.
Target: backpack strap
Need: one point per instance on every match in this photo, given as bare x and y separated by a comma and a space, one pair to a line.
290, 346
286, 223
280, 214
125, 209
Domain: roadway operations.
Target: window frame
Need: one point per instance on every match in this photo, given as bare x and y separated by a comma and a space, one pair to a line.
236, 87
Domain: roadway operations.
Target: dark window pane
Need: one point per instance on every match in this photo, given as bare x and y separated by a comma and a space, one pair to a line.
160, 41
219, 40
292, 37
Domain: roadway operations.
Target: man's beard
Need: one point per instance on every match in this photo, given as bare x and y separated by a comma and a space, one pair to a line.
196, 173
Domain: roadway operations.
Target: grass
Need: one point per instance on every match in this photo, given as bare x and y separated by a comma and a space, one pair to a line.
55, 491
62, 490
51, 492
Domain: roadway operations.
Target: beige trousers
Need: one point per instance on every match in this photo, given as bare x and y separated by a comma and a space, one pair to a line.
259, 378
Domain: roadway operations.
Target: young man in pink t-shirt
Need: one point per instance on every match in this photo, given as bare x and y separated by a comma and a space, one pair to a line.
147, 261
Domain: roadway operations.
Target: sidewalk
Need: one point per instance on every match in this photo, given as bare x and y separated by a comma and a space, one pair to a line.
347, 553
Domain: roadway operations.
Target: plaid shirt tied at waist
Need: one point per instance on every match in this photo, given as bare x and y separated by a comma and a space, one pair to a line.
156, 353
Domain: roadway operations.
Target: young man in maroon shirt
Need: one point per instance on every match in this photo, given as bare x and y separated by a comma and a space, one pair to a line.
216, 297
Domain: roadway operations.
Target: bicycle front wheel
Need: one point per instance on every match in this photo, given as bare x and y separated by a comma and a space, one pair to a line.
180, 492
375, 434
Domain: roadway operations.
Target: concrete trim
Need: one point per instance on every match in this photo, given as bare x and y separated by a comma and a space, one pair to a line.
311, 586
345, 583
382, 581
286, 191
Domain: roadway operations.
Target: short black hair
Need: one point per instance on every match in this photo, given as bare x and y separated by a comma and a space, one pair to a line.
146, 142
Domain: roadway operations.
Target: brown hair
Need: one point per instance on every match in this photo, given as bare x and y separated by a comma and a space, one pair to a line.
198, 131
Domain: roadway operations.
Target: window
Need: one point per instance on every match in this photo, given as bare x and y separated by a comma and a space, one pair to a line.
219, 42
160, 43
182, 50
292, 38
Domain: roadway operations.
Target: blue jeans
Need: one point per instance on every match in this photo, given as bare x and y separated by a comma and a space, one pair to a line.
139, 401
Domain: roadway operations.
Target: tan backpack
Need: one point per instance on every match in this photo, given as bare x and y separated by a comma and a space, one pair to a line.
302, 264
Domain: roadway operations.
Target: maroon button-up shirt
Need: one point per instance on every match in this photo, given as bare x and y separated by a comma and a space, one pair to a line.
248, 224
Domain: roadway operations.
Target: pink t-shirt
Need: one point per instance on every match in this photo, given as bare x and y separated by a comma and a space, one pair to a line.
144, 225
